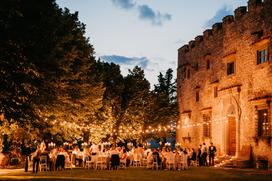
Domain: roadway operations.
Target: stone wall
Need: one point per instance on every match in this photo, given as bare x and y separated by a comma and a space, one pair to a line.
236, 39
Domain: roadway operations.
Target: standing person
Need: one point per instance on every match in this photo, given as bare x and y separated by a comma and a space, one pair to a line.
204, 154
27, 153
193, 156
212, 151
199, 159
36, 159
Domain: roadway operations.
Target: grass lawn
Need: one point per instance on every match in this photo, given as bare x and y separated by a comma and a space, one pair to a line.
211, 174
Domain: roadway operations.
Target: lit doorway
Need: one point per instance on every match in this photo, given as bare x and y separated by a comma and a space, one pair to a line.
231, 136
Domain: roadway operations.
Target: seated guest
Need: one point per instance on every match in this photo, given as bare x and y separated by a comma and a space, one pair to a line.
77, 156
178, 161
94, 149
115, 158
157, 156
86, 154
60, 162
123, 157
149, 157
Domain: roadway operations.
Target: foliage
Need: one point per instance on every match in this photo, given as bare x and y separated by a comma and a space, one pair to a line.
165, 108
45, 66
53, 89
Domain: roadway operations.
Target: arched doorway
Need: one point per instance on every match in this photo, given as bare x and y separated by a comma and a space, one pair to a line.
231, 142
231, 131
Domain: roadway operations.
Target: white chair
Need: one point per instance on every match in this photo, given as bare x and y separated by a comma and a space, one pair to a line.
178, 162
149, 161
68, 162
155, 163
92, 162
123, 163
185, 162
143, 161
170, 161
88, 163
137, 160
101, 162
43, 163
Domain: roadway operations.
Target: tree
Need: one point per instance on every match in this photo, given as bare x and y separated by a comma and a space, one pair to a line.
135, 101
165, 107
46, 68
125, 100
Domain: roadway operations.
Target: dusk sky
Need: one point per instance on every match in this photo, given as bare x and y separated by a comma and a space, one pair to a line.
146, 32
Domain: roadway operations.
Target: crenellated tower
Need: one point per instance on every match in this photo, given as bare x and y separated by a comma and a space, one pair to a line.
224, 79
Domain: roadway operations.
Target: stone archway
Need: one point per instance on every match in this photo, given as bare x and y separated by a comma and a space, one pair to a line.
231, 111
231, 139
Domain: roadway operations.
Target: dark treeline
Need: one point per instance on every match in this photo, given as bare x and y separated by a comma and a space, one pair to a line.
53, 87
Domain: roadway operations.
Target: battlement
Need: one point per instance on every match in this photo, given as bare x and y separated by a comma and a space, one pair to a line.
191, 44
198, 39
207, 33
184, 49
254, 4
240, 12
216, 27
228, 19
253, 8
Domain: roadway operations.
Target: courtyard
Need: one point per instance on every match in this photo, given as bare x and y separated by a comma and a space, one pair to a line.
195, 173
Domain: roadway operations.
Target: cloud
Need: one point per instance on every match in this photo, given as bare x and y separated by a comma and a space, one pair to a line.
124, 4
152, 66
224, 11
156, 18
145, 12
127, 61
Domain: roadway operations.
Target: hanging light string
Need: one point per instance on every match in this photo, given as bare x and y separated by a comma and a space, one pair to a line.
201, 123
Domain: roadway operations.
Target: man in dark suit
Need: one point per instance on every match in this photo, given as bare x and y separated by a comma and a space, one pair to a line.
212, 152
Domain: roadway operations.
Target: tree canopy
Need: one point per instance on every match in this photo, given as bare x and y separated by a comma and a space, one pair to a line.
53, 88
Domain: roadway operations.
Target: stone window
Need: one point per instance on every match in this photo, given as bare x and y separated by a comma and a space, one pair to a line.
196, 66
215, 92
230, 68
184, 73
188, 73
208, 64
262, 56
206, 126
263, 123
197, 96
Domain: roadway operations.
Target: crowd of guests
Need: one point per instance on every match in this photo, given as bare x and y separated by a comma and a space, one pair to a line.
164, 158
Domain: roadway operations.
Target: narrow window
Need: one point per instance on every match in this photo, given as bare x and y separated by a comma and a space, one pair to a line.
197, 96
263, 123
184, 73
230, 68
206, 126
208, 64
262, 56
196, 66
188, 74
215, 91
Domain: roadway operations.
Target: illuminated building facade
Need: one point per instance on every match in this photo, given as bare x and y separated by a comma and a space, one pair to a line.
224, 80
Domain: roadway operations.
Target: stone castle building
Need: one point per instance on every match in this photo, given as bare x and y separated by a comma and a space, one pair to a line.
224, 80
